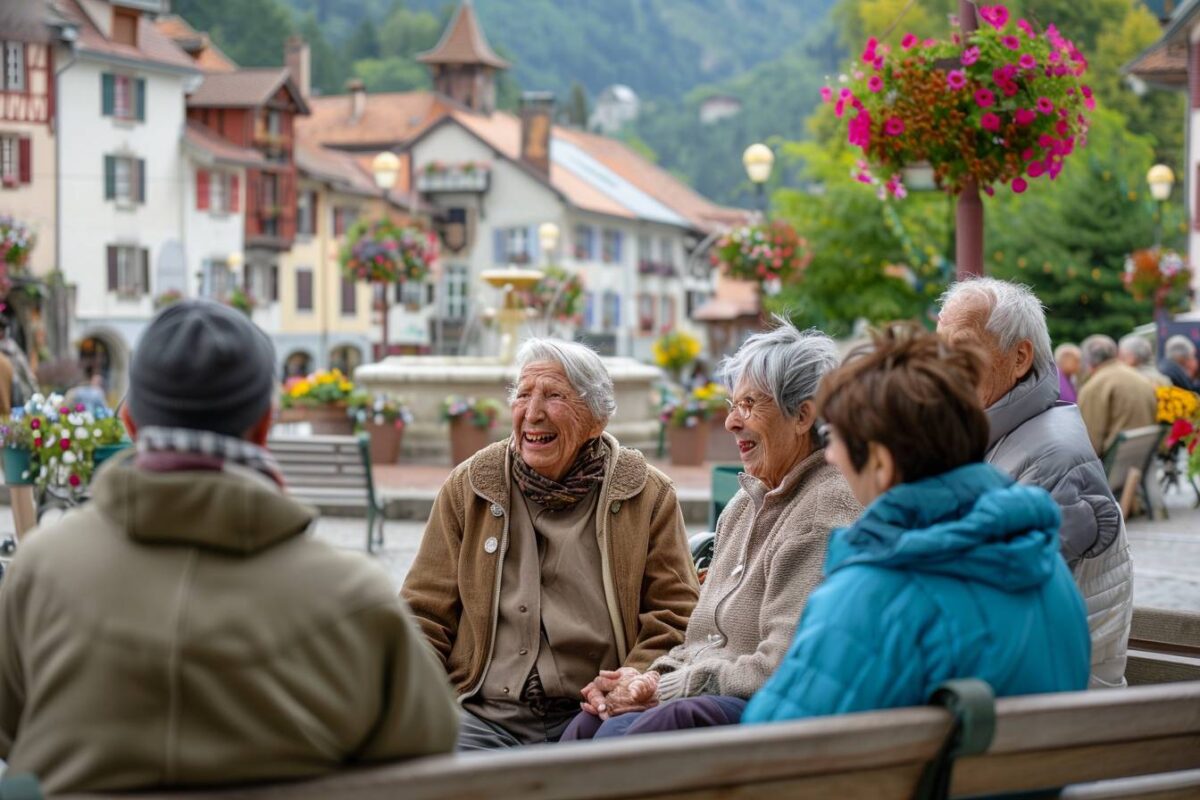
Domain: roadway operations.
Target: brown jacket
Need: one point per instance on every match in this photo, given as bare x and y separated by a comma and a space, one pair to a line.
454, 587
1116, 398
182, 629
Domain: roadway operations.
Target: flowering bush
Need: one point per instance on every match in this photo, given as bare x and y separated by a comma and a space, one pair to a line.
700, 404
1005, 106
379, 409
1175, 404
380, 251
16, 241
761, 253
558, 296
62, 440
1186, 433
481, 413
674, 351
324, 387
1161, 275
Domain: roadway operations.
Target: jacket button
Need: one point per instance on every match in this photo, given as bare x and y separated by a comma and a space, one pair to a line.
523, 609
497, 511
616, 506
506, 690
524, 652
491, 545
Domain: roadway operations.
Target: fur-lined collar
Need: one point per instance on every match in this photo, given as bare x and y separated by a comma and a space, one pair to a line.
489, 474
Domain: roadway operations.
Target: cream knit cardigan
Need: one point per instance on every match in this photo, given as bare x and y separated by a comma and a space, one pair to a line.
770, 554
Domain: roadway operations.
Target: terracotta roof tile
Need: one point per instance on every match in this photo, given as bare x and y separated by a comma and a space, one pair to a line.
463, 42
220, 149
205, 55
387, 119
1164, 64
250, 87
340, 169
152, 46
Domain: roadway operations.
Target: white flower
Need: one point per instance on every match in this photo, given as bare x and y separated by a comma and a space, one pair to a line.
74, 419
81, 433
54, 461
97, 433
68, 457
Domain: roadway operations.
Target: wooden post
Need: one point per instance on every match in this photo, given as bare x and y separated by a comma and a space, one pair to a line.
968, 250
24, 509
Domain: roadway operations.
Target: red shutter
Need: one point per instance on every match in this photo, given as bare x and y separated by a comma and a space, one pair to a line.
25, 160
202, 191
235, 201
112, 269
1194, 74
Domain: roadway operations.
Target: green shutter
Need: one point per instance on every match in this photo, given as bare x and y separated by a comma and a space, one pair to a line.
139, 98
110, 178
108, 95
141, 179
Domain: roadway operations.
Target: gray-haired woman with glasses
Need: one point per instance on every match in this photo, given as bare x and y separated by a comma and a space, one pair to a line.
769, 551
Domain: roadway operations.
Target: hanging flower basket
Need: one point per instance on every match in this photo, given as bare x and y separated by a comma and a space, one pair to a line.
764, 253
1006, 106
380, 251
1160, 275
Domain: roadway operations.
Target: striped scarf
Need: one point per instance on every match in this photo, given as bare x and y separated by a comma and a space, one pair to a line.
581, 478
196, 447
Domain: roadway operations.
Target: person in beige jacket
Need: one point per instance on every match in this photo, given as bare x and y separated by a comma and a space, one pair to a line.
1115, 398
769, 552
183, 629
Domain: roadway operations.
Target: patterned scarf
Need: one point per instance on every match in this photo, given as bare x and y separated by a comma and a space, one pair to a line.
174, 449
584, 474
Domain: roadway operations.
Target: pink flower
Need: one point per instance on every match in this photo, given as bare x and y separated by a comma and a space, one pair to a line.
1009, 88
73, 479
996, 16
1025, 116
839, 108
79, 407
65, 443
875, 84
1090, 102
863, 177
956, 79
1062, 128
989, 122
970, 56
894, 126
1027, 61
878, 62
929, 43
868, 53
860, 130
984, 98
1019, 185
989, 191
1044, 105
1026, 27
1027, 154
1045, 141
1036, 169
1011, 42
1087, 90
908, 42
35, 423
844, 93
826, 94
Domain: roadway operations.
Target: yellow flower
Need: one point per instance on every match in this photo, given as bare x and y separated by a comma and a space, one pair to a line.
345, 386
300, 388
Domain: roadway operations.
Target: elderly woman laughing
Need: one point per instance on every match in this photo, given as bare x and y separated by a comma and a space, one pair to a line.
770, 548
550, 557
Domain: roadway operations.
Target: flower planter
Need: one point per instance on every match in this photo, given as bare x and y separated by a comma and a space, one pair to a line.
722, 445
466, 439
688, 445
385, 441
17, 466
326, 420
104, 452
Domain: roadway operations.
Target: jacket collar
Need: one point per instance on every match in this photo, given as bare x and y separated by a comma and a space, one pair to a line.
758, 491
489, 472
1034, 395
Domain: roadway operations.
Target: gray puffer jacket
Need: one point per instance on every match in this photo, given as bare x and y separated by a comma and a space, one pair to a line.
1043, 442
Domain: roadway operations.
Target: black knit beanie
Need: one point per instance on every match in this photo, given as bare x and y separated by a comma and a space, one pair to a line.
202, 365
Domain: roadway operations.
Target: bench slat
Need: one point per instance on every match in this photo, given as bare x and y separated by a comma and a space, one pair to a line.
893, 783
1176, 630
1169, 786
1144, 668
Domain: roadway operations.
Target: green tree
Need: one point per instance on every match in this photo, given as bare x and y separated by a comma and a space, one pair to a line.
392, 74
251, 32
364, 43
329, 71
406, 33
577, 106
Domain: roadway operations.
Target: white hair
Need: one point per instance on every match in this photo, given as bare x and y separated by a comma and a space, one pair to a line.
1179, 348
1137, 347
1067, 349
1098, 349
584, 370
784, 362
1014, 314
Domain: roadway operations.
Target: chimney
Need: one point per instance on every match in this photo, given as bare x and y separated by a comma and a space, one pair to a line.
358, 97
537, 118
297, 56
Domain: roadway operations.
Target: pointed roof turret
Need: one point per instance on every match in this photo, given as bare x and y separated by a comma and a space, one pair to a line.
463, 42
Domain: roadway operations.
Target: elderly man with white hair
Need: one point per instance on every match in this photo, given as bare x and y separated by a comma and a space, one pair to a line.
550, 557
1041, 441
1179, 362
1136, 352
1116, 397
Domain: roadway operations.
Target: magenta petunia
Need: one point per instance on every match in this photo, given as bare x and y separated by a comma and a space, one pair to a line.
1044, 105
1062, 128
984, 98
875, 83
970, 56
1011, 42
909, 41
894, 126
1026, 27
1027, 61
868, 53
73, 480
35, 423
1019, 185
826, 94
839, 108
989, 191
1025, 116
859, 132
1027, 154
956, 79
1045, 141
1090, 102
929, 43
996, 16
989, 122
1036, 169
1009, 88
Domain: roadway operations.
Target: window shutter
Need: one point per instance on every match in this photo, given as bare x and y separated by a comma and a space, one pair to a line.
339, 223
617, 246
139, 98
139, 165
112, 269
398, 291
108, 95
349, 296
274, 288
235, 188
110, 177
202, 191
24, 160
499, 246
430, 294
144, 254
532, 245
594, 244
304, 300
314, 213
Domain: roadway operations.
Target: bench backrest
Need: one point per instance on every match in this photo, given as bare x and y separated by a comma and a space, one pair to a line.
1164, 646
1040, 741
1132, 449
320, 462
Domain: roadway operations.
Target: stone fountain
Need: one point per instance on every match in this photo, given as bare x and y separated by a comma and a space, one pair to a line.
425, 381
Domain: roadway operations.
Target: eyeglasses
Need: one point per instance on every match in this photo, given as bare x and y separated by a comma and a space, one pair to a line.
744, 406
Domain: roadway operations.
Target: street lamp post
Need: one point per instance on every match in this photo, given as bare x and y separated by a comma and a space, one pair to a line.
385, 167
1161, 179
758, 160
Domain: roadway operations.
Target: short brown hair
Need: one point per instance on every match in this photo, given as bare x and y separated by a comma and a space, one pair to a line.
915, 395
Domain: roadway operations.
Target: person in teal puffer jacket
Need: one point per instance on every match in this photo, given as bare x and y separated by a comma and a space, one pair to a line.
953, 570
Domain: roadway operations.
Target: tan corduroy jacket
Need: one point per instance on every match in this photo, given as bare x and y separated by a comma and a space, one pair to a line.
454, 586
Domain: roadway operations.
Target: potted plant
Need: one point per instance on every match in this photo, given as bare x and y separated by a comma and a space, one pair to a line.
722, 446
383, 418
675, 351
687, 425
17, 438
65, 441
109, 436
320, 399
471, 421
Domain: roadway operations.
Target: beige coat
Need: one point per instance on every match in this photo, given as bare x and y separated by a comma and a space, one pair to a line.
454, 585
182, 630
770, 555
1116, 398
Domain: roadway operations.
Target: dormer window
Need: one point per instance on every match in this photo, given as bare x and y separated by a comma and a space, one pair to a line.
125, 26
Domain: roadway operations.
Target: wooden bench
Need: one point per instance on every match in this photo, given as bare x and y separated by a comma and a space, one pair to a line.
1164, 646
1038, 742
325, 470
1131, 455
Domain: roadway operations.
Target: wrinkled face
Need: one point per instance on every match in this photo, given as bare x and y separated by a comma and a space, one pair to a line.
1068, 364
964, 322
770, 443
551, 421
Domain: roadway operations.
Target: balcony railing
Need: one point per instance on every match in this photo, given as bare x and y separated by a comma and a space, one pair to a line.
453, 179
659, 268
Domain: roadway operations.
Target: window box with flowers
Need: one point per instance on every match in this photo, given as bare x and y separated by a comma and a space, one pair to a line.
687, 422
1007, 105
321, 400
383, 418
471, 421
465, 176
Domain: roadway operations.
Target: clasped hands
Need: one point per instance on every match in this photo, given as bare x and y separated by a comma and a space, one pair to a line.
620, 691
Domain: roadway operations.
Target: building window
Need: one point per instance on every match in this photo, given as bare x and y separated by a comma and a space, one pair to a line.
15, 160
269, 204
274, 122
304, 289
14, 66
344, 218
456, 294
125, 26
589, 311
124, 179
611, 247
349, 297
517, 246
411, 294
666, 252
666, 317
219, 279
123, 97
217, 191
128, 270
645, 313
306, 213
585, 243
610, 311
695, 300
